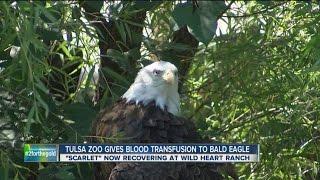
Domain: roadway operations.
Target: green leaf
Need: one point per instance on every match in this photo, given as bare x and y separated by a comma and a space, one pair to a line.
76, 13
29, 120
4, 166
115, 54
16, 177
49, 35
178, 46
128, 32
5, 43
89, 78
202, 21
116, 76
82, 115
119, 58
146, 5
265, 2
51, 14
121, 30
92, 6
43, 103
133, 53
39, 84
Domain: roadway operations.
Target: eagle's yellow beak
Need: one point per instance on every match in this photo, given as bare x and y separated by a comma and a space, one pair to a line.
168, 77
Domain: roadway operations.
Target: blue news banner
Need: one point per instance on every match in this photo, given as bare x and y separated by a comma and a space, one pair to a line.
141, 153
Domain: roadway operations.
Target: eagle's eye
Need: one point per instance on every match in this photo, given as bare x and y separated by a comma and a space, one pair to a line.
157, 72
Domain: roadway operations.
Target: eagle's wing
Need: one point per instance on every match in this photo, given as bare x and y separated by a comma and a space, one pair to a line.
147, 124
141, 124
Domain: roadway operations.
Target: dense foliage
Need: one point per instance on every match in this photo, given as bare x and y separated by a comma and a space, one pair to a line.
250, 72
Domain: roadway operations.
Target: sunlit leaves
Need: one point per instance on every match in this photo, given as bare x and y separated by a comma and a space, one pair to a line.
262, 87
29, 109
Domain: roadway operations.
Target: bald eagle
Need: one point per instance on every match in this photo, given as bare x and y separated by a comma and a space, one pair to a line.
148, 113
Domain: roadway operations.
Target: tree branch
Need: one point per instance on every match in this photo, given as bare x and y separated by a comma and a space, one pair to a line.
257, 12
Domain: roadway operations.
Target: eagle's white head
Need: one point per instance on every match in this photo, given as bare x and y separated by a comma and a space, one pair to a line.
156, 82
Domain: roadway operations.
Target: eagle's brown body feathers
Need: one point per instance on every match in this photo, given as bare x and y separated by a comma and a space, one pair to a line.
128, 122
